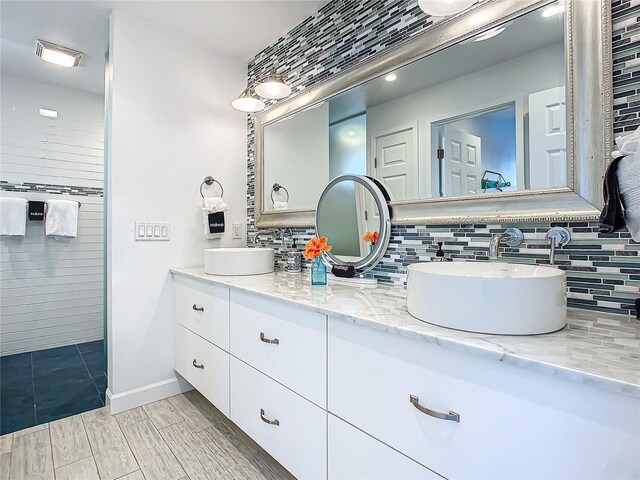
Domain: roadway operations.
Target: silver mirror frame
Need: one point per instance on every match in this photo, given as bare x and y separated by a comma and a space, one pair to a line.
374, 257
589, 121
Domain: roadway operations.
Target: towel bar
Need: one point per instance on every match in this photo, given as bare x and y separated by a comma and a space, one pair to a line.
209, 180
276, 188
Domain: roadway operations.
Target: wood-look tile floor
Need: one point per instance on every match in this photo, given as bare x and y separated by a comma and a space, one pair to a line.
180, 438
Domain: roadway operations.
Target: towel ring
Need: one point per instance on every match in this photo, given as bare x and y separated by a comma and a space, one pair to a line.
209, 180
276, 188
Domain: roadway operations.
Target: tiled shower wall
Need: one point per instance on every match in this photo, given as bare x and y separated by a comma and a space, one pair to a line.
603, 270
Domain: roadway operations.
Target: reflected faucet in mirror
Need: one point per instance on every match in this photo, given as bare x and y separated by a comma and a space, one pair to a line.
511, 237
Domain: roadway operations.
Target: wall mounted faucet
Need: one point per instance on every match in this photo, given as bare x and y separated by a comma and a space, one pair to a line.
556, 237
511, 237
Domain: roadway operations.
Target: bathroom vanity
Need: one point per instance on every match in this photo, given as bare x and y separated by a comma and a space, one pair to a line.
341, 382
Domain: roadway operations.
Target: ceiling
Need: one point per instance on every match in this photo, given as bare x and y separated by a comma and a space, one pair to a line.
239, 28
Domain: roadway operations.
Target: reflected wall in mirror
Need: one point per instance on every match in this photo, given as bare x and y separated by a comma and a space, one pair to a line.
483, 116
352, 213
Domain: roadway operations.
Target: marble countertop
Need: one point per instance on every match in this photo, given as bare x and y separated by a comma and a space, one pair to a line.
594, 348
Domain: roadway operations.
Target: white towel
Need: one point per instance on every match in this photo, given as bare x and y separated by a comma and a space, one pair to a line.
13, 216
628, 174
62, 218
279, 205
205, 223
214, 204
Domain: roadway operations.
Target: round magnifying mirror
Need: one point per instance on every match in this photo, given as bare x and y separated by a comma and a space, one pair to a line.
354, 216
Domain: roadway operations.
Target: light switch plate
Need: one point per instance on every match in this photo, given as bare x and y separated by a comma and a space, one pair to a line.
237, 230
152, 231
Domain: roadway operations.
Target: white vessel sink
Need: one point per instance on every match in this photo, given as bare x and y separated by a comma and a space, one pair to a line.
482, 297
238, 261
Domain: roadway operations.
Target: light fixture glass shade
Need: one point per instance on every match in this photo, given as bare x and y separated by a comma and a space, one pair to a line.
494, 32
273, 87
444, 8
62, 56
247, 102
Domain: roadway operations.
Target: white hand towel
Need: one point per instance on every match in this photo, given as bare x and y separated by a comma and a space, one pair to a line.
13, 216
62, 218
628, 174
280, 205
215, 204
205, 223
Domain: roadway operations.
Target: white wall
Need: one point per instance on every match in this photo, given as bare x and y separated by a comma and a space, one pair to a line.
497, 84
295, 148
171, 124
51, 293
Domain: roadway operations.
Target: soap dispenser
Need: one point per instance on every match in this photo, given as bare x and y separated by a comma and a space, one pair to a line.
439, 254
294, 259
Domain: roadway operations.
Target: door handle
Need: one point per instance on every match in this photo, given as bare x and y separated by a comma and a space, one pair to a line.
432, 413
198, 309
195, 364
273, 341
275, 422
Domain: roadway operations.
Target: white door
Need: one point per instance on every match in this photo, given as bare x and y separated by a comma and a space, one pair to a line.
547, 139
462, 163
395, 163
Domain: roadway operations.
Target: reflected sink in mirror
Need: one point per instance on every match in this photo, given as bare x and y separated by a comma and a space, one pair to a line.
493, 298
238, 261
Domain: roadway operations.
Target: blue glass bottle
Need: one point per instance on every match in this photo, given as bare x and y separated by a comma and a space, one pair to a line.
318, 272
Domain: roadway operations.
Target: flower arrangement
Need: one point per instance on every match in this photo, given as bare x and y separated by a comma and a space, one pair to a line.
315, 247
370, 237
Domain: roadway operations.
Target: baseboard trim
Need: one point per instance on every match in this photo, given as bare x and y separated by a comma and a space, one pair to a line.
149, 393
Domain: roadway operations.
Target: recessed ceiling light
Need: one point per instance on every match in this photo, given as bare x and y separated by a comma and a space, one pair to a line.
552, 10
62, 56
247, 102
45, 112
494, 32
351, 133
391, 77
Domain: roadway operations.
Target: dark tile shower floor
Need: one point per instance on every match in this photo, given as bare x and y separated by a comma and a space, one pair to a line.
46, 385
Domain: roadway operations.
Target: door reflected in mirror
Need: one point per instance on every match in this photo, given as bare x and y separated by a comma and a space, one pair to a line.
484, 116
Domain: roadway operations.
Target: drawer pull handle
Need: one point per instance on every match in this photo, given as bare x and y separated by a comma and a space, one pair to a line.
195, 364
198, 309
274, 341
442, 416
275, 422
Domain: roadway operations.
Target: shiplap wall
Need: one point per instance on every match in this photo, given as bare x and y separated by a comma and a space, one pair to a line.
51, 290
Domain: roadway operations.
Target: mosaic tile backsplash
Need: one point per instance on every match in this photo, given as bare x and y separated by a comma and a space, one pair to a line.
603, 270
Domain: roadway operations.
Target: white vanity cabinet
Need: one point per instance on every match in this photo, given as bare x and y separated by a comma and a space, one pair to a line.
330, 398
496, 420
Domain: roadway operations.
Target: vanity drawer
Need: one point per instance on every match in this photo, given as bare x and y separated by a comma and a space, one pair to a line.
299, 441
298, 359
514, 423
203, 308
354, 455
203, 365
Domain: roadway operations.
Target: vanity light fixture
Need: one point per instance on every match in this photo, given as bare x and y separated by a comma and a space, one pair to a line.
552, 10
273, 87
58, 55
494, 32
444, 8
391, 77
247, 102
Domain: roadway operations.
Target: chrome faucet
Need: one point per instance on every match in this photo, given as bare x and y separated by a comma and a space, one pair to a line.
511, 237
257, 235
556, 237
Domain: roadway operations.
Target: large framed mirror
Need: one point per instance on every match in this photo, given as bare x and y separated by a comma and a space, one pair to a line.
474, 120
353, 214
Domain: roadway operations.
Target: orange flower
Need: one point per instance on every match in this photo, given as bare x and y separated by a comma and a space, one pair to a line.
371, 237
315, 247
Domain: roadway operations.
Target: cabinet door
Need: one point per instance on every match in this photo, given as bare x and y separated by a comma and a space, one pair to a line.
292, 429
513, 422
203, 308
288, 344
354, 455
203, 365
